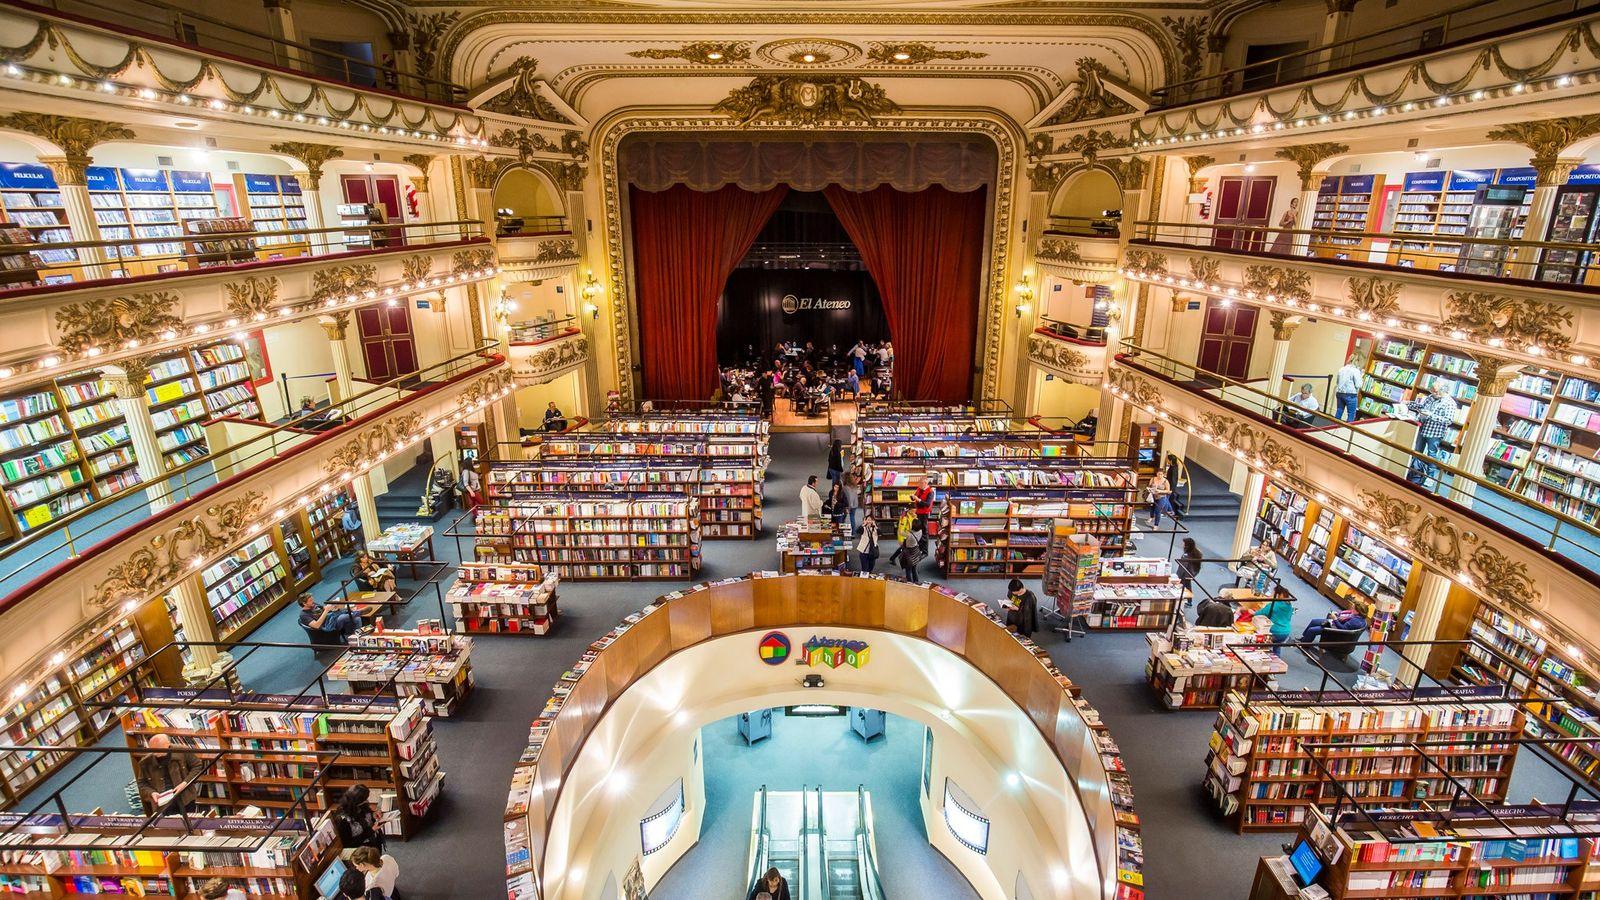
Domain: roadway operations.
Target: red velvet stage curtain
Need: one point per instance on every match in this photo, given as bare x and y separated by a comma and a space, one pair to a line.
685, 245
925, 251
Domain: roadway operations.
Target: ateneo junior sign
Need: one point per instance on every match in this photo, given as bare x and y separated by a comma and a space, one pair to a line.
774, 649
793, 304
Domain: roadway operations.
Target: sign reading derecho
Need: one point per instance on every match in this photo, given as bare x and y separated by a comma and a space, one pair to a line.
793, 304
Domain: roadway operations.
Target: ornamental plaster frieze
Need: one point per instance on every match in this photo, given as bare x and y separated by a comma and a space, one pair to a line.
1469, 551
538, 363
1556, 62
1086, 260
1078, 363
1528, 324
525, 259
61, 58
1009, 148
59, 332
156, 552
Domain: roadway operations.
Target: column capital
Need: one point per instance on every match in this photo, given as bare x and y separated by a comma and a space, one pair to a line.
1307, 156
1495, 374
335, 325
127, 377
69, 171
75, 136
1283, 324
312, 156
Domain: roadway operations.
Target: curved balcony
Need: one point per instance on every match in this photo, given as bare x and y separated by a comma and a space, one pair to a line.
1484, 537
1091, 258
134, 546
536, 361
1075, 358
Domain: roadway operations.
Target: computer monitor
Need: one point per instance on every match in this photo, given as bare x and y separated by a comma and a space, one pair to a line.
328, 884
1307, 864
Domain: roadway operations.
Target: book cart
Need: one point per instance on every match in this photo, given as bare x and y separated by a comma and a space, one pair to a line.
1272, 753
600, 536
1477, 849
297, 750
1071, 571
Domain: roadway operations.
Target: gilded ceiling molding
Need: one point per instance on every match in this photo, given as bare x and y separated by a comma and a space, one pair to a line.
1046, 177
1278, 283
1040, 146
74, 136
1139, 389
1189, 37
1373, 298
996, 288
806, 101
567, 176
422, 161
424, 32
573, 145
556, 250
1058, 250
808, 52
525, 142
1548, 139
1453, 549
706, 53
1129, 171
1518, 321
1092, 99
341, 281
416, 268
312, 156
1307, 156
485, 171
253, 297
153, 568
125, 321
523, 98
369, 444
914, 54
1088, 144
51, 38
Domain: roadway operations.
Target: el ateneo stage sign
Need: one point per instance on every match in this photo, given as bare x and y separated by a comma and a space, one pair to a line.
761, 307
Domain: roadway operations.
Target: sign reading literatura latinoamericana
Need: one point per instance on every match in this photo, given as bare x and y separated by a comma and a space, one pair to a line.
793, 304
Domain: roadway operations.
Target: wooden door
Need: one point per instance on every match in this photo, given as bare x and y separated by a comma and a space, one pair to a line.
1226, 338
387, 344
1244, 201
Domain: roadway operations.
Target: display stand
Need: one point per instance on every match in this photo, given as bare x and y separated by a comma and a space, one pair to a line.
813, 545
1135, 593
1071, 572
504, 598
425, 663
1194, 668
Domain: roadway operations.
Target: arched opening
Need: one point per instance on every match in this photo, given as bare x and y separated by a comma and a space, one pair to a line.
526, 202
1087, 194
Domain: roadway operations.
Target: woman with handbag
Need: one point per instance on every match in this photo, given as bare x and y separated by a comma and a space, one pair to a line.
867, 545
909, 555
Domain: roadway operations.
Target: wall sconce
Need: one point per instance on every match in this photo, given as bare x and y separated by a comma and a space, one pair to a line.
1024, 295
591, 288
593, 311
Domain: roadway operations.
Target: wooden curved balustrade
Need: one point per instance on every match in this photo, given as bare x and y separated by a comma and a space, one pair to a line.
952, 620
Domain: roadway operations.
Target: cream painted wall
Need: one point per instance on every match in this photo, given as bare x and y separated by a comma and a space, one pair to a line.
1088, 193
296, 349
980, 739
1055, 397
526, 194
532, 400
1064, 301
551, 298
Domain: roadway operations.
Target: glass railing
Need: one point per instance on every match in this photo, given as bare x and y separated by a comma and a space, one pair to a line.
185, 27
1397, 40
1372, 442
1547, 263
762, 849
78, 532
813, 855
26, 267
866, 856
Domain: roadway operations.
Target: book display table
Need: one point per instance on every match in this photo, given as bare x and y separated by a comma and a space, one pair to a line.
406, 542
1195, 667
430, 665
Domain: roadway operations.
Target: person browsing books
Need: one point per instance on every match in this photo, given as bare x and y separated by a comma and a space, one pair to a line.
355, 821
218, 889
165, 776
810, 500
380, 869
1022, 608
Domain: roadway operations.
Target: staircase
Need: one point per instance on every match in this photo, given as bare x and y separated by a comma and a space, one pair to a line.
400, 502
1210, 499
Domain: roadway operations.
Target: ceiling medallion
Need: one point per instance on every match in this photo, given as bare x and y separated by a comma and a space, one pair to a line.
912, 54
793, 52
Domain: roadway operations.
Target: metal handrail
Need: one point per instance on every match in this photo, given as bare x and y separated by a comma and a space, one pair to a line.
169, 27
1344, 54
1147, 227
1084, 226
1229, 392
763, 849
225, 235
190, 479
867, 857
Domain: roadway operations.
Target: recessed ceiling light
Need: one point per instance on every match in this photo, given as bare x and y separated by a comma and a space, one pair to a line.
902, 56
714, 55
187, 123
809, 57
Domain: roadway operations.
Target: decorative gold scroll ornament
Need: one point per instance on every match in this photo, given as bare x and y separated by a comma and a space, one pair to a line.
807, 100
1056, 354
1453, 549
75, 136
1145, 260
1092, 100
252, 297
1306, 157
465, 261
523, 98
171, 554
1280, 282
312, 156
115, 323
372, 443
1375, 297
1251, 440
559, 355
340, 281
556, 250
706, 53
1058, 250
914, 54
416, 268
1515, 320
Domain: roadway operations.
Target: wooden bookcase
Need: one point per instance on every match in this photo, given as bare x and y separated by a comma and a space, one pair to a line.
41, 466
274, 203
1345, 203
1135, 594
389, 747
503, 597
1257, 771
32, 203
432, 666
595, 536
53, 705
727, 486
1197, 667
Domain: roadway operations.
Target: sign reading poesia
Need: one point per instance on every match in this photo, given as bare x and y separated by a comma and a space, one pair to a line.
793, 304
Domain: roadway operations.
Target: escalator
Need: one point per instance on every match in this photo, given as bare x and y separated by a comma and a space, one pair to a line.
821, 842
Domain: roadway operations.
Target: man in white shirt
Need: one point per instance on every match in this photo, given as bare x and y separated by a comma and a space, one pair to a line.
1305, 404
1347, 390
810, 500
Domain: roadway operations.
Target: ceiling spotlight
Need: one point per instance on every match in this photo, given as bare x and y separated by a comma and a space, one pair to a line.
901, 56
808, 57
714, 55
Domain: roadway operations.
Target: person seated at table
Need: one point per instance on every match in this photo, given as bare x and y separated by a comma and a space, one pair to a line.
1214, 613
1302, 408
1343, 619
335, 624
370, 576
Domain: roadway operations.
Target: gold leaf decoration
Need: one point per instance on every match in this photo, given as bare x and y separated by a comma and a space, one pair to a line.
914, 54
523, 98
556, 250
1189, 35
111, 324
1307, 156
1204, 268
705, 53
464, 262
554, 358
75, 136
1046, 177
526, 142
1279, 282
1092, 100
1547, 138
1378, 298
1088, 144
807, 100
338, 282
1145, 260
1482, 315
416, 268
170, 555
1059, 250
312, 156
369, 444
254, 296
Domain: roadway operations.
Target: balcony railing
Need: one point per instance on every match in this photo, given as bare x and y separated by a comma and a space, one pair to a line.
1435, 31
1084, 226
172, 24
26, 267
1368, 443
75, 533
1542, 263
540, 332
531, 226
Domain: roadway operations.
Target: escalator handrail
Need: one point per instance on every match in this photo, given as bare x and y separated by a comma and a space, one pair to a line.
866, 856
763, 844
824, 890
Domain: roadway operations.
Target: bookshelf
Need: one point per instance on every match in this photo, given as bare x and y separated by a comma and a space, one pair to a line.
1522, 413
1435, 203
1362, 568
321, 521
988, 533
601, 537
1345, 203
101, 432
41, 468
17, 266
385, 743
425, 663
1195, 668
1071, 570
130, 856
727, 485
224, 376
1311, 563
1402, 370
149, 203
247, 586
274, 203
1257, 770
1281, 519
504, 598
52, 706
32, 203
1135, 593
